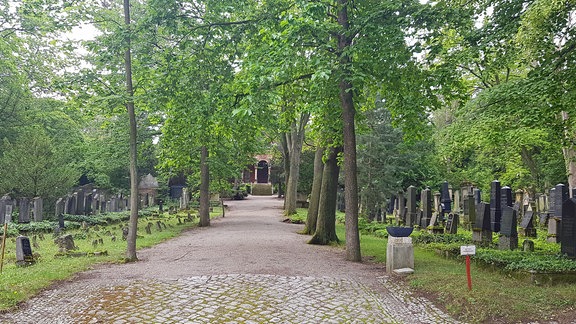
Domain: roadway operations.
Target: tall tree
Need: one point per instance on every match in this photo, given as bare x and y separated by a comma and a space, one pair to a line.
133, 224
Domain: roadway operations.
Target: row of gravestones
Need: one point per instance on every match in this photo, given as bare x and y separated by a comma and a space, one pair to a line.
499, 216
28, 209
90, 203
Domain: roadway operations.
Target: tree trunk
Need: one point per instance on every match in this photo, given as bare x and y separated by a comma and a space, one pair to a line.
349, 132
326, 222
284, 142
204, 188
296, 141
133, 223
569, 154
312, 216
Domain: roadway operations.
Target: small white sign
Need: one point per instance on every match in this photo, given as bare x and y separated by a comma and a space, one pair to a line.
468, 250
8, 215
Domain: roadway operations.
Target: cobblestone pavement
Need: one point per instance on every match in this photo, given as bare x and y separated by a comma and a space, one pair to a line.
245, 268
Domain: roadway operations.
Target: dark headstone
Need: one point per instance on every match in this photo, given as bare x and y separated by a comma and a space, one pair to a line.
560, 196
88, 204
495, 206
160, 205
411, 206
61, 221
508, 225
401, 207
452, 224
506, 197
482, 217
23, 251
59, 207
477, 196
445, 199
5, 201
471, 211
568, 229
24, 210
80, 202
527, 224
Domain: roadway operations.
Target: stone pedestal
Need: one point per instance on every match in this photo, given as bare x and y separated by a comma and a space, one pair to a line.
482, 237
399, 253
507, 242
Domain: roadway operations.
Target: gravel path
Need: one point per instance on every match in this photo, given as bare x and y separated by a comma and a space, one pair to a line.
248, 267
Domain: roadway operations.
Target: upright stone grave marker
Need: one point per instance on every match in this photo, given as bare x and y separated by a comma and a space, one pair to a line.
445, 200
67, 205
437, 203
38, 209
568, 236
508, 239
411, 206
477, 196
59, 207
74, 204
495, 206
482, 230
24, 210
4, 202
24, 254
471, 212
558, 195
401, 208
456, 207
527, 223
506, 197
452, 224
80, 202
88, 198
426, 199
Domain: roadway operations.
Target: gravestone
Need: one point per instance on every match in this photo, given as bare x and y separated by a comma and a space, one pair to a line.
24, 254
38, 209
482, 230
495, 206
401, 208
554, 227
4, 202
24, 210
477, 196
411, 210
568, 235
8, 214
471, 211
59, 207
528, 246
74, 204
456, 207
506, 197
552, 203
508, 239
445, 200
61, 221
560, 195
426, 199
527, 223
67, 205
452, 224
160, 205
80, 202
65, 243
88, 204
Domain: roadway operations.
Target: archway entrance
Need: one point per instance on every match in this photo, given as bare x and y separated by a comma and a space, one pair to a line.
263, 172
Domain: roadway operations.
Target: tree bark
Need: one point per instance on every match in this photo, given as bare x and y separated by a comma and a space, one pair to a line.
312, 216
133, 223
204, 188
349, 133
569, 154
326, 222
296, 141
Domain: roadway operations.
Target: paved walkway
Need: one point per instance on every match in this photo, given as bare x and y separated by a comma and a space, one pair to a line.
246, 268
